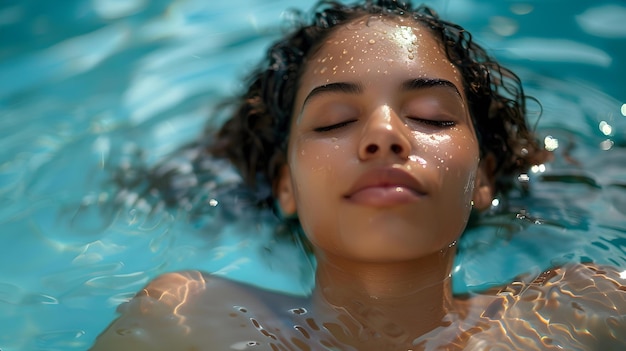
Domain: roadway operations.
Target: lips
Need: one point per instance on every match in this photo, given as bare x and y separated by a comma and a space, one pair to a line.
386, 187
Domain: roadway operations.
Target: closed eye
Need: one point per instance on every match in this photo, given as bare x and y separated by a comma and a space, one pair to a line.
333, 126
433, 122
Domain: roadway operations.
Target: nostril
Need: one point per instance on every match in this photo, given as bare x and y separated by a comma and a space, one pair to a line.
396, 149
371, 148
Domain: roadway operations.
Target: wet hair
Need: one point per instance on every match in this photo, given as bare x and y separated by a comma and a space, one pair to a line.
255, 137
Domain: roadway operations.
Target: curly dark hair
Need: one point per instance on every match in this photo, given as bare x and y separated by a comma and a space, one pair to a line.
255, 137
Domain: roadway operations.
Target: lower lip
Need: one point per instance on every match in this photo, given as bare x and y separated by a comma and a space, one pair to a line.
384, 196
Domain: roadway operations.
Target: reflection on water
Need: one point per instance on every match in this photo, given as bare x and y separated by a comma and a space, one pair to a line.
575, 307
92, 86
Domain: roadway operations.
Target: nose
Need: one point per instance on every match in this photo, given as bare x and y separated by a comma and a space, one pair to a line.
383, 136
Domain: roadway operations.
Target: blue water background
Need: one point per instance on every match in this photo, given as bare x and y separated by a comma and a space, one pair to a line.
88, 85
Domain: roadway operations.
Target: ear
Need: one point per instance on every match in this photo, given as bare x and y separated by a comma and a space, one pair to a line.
484, 184
283, 192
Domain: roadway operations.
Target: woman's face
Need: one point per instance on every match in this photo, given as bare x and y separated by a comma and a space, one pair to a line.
382, 156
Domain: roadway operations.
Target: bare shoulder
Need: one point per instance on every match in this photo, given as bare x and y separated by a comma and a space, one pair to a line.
574, 307
187, 310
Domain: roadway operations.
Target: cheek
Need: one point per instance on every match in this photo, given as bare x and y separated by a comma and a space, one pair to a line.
459, 179
315, 167
457, 162
455, 158
314, 160
314, 164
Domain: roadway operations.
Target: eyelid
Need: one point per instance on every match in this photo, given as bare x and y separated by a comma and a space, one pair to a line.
334, 126
441, 123
433, 106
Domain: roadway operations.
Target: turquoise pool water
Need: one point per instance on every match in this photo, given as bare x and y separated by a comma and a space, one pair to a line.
87, 86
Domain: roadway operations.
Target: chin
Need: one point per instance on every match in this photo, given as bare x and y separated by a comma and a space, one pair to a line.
396, 244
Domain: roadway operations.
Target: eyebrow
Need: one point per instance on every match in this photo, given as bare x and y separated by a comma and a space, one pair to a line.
341, 87
424, 83
356, 88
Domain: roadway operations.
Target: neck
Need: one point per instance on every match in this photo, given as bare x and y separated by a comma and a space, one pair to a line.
405, 298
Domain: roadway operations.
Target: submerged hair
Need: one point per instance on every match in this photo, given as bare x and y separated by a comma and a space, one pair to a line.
255, 137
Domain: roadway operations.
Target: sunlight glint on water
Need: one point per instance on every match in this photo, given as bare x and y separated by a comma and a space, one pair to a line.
88, 86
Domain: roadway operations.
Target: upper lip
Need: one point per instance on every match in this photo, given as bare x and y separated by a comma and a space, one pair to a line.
387, 177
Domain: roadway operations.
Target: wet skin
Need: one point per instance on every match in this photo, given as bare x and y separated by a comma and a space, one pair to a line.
382, 137
383, 167
575, 308
382, 170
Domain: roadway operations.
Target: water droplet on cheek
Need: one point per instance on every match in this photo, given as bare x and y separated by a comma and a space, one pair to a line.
336, 147
334, 139
411, 56
372, 41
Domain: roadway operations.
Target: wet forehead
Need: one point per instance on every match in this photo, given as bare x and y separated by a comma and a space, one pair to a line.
376, 49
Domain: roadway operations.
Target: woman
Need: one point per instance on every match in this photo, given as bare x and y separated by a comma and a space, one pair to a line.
381, 127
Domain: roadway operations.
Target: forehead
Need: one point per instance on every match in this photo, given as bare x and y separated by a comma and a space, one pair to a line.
380, 46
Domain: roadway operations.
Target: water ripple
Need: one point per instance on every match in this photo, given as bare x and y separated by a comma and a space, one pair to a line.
604, 21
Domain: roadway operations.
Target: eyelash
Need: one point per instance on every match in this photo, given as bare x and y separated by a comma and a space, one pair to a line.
333, 126
430, 122
434, 123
